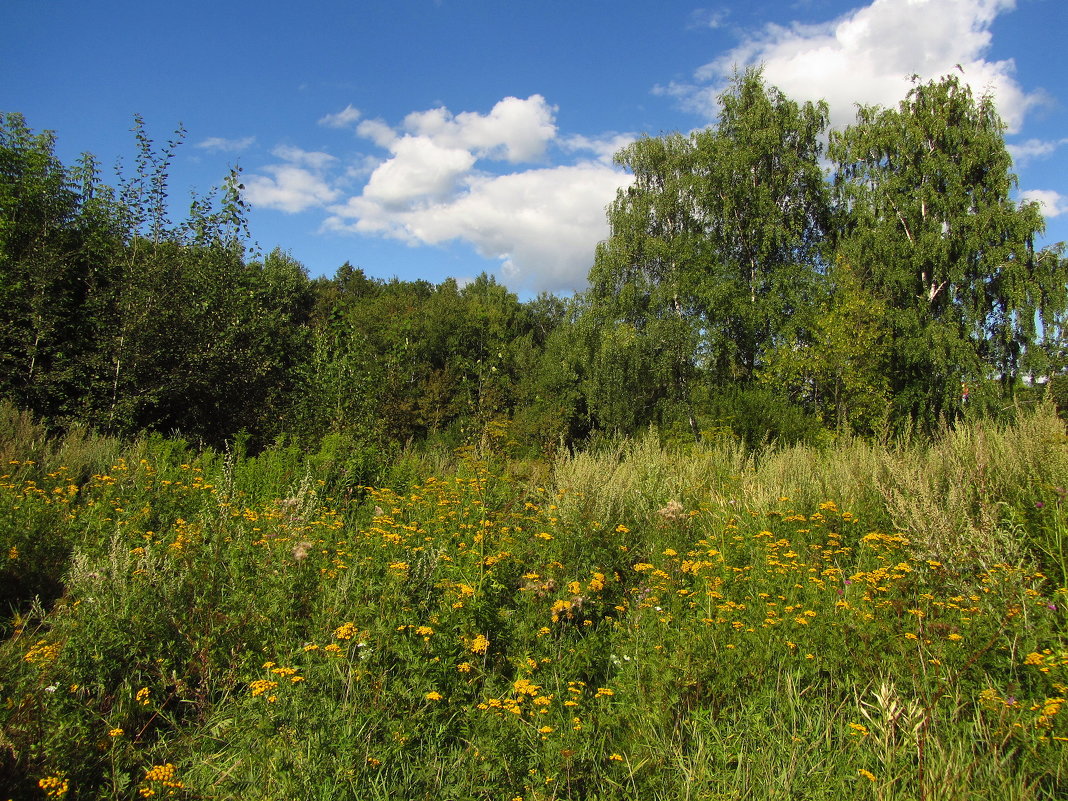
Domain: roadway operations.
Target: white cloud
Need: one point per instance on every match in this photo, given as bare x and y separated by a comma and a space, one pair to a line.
377, 131
314, 159
420, 168
1034, 148
295, 186
867, 55
217, 144
515, 130
342, 119
440, 180
541, 224
1053, 204
711, 18
603, 148
289, 189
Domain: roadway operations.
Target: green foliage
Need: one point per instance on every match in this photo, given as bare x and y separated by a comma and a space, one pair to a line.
653, 622
758, 416
120, 319
386, 566
713, 252
838, 365
59, 231
930, 228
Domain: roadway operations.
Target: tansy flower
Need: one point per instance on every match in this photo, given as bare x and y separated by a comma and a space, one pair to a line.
433, 696
345, 631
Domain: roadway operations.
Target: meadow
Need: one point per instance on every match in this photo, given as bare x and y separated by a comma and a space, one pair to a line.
637, 621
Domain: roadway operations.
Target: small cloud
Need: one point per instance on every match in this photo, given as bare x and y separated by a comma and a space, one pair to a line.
314, 159
217, 144
288, 188
1052, 204
377, 131
342, 119
604, 148
1034, 148
294, 186
711, 18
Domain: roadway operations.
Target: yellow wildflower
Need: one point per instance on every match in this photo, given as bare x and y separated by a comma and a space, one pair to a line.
54, 786
346, 631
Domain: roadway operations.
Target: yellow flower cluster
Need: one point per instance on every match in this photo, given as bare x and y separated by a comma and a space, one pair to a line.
261, 686
43, 652
162, 775
346, 631
54, 786
1049, 708
1046, 659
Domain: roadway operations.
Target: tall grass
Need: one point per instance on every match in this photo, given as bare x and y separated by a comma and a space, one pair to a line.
643, 622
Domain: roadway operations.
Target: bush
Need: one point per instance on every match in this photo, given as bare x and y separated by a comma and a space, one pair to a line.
758, 416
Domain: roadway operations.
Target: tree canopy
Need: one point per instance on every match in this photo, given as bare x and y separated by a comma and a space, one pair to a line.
763, 276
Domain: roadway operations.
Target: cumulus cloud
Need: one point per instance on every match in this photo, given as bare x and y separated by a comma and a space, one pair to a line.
342, 119
420, 168
218, 144
515, 130
296, 184
541, 223
867, 55
1052, 204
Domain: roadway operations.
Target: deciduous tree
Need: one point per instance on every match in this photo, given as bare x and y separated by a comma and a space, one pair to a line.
929, 223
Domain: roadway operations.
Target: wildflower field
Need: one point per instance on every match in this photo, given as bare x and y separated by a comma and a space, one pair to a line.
639, 622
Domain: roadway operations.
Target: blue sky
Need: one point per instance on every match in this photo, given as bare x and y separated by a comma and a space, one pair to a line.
436, 138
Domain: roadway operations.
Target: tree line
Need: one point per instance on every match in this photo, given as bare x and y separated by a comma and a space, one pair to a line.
766, 276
